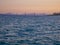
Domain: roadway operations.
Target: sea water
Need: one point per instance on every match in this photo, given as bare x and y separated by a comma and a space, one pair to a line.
29, 30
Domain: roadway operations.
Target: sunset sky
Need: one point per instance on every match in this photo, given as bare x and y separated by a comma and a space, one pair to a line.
29, 6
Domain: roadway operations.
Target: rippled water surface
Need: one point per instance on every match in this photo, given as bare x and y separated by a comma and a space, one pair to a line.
29, 30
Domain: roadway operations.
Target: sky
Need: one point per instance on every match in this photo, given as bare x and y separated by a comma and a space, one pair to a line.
29, 6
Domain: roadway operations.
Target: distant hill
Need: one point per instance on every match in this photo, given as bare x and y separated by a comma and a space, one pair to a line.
56, 13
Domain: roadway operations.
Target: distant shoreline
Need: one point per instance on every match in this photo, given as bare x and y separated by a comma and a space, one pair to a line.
54, 14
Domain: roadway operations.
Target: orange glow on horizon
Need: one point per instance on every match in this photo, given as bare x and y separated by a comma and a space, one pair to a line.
29, 6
